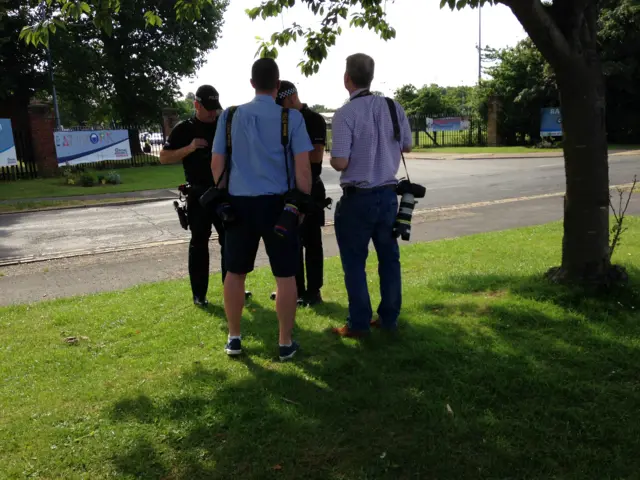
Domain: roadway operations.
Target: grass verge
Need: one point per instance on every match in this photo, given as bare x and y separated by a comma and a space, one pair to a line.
133, 179
495, 374
508, 150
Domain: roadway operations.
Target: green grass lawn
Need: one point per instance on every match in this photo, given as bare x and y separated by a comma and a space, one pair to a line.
508, 150
133, 179
494, 374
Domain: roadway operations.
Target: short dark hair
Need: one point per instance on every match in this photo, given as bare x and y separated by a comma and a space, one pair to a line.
360, 68
265, 74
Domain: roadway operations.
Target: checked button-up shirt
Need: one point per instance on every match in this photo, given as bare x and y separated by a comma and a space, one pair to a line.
362, 132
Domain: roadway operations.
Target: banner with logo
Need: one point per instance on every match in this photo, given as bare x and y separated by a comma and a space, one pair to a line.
447, 124
88, 146
550, 122
8, 155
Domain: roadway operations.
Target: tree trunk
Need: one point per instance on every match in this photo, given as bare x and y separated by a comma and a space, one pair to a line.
585, 246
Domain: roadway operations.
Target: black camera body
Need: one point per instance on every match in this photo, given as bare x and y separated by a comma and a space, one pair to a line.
296, 203
218, 198
408, 193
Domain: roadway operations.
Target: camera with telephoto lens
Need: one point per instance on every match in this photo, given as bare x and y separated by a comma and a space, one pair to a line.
408, 193
219, 199
296, 203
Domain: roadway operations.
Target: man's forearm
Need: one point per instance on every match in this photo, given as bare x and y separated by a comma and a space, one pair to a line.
303, 177
317, 154
168, 157
339, 163
217, 169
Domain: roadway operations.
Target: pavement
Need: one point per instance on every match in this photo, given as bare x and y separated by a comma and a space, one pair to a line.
89, 274
60, 253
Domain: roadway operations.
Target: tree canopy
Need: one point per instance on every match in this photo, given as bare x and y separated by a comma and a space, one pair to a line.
125, 72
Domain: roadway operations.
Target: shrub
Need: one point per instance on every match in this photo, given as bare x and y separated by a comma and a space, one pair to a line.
113, 178
86, 179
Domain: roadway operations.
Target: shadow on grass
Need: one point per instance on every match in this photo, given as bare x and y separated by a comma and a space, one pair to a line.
525, 384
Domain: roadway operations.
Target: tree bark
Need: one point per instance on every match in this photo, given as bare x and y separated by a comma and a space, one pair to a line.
585, 245
566, 35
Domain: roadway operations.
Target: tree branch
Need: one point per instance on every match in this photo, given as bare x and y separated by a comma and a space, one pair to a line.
543, 30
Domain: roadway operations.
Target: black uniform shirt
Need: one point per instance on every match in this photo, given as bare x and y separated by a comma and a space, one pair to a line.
316, 125
197, 165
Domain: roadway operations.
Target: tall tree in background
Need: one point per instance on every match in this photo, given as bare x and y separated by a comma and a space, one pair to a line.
123, 69
619, 42
525, 83
22, 68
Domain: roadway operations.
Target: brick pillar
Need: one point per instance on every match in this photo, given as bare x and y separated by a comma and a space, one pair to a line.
493, 137
169, 120
42, 122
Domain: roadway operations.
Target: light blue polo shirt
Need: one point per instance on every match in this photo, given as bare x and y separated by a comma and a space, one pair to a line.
257, 164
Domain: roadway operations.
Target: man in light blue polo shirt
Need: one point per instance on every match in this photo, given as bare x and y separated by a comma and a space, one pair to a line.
257, 176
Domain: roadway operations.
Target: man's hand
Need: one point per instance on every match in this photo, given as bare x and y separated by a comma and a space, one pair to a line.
197, 143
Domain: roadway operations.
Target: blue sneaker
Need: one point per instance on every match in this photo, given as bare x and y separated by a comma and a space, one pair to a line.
233, 347
288, 352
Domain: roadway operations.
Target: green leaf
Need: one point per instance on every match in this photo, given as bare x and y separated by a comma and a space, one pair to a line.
84, 6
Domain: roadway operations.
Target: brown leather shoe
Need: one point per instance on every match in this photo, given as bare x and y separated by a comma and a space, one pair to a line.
348, 333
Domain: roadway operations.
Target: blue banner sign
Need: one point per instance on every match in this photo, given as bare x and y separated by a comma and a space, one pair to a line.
550, 122
8, 156
88, 146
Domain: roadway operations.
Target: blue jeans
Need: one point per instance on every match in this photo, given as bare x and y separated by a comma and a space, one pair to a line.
359, 218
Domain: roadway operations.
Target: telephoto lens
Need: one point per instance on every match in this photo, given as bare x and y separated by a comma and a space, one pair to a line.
402, 227
288, 221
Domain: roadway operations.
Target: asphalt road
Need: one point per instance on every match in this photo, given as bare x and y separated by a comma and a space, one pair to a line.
449, 182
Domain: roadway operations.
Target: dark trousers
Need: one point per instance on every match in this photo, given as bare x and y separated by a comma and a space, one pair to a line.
311, 255
311, 252
360, 218
200, 222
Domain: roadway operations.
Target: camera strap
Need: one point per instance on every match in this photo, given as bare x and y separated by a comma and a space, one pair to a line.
284, 139
227, 158
396, 131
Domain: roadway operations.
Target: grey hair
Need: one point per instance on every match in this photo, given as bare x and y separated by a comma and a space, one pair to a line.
360, 68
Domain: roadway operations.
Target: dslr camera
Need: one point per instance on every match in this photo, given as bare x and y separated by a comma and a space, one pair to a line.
218, 198
408, 193
296, 203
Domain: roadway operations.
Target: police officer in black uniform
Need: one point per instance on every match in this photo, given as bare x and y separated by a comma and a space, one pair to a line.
311, 253
190, 142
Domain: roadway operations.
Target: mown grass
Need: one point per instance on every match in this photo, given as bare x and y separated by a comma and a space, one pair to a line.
509, 150
494, 374
133, 179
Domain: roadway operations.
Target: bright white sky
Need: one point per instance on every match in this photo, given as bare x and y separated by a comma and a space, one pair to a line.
432, 45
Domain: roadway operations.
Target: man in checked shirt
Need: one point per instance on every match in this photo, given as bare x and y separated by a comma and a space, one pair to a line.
365, 151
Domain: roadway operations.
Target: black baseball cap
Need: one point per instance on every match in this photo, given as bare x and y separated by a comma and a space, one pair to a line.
208, 97
286, 89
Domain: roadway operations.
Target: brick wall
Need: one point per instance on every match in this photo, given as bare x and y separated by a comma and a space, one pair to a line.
42, 123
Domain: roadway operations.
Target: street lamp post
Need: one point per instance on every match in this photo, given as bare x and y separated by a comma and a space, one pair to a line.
479, 64
479, 43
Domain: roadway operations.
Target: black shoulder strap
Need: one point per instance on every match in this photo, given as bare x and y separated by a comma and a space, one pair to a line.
396, 129
232, 110
227, 160
284, 139
394, 118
